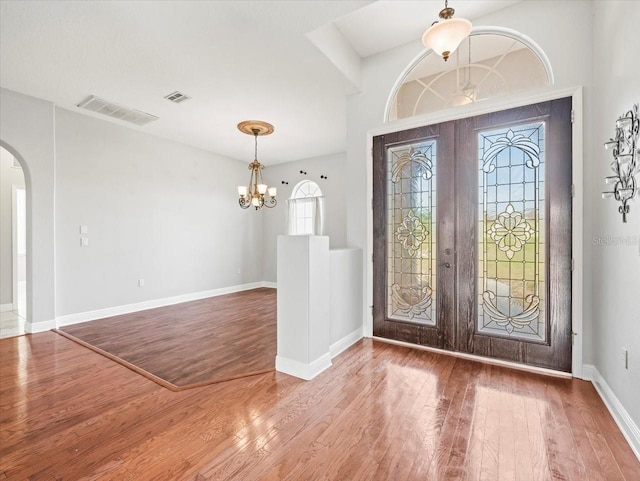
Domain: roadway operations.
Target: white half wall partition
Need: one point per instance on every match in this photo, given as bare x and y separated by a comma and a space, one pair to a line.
303, 307
319, 303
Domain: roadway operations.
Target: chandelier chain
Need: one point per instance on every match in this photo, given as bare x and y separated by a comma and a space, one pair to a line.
255, 137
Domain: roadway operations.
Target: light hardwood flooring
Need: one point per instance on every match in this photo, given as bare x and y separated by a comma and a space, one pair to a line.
382, 412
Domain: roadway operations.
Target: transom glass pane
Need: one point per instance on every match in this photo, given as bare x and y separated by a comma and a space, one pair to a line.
306, 188
511, 237
411, 232
484, 66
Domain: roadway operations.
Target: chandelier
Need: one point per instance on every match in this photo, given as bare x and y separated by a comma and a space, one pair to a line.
443, 37
257, 193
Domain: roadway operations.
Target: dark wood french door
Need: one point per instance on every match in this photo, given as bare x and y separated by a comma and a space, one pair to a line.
472, 235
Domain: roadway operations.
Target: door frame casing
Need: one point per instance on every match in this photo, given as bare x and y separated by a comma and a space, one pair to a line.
577, 222
14, 242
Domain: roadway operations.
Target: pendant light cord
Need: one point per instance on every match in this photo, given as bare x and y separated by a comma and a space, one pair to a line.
469, 64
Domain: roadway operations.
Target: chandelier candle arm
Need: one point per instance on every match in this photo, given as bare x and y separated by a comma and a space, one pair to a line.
444, 36
257, 194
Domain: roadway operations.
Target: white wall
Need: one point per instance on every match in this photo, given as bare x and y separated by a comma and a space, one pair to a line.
155, 210
616, 246
27, 131
333, 188
9, 177
345, 293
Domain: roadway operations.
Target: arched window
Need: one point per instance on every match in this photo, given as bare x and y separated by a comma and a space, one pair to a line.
306, 188
306, 207
491, 62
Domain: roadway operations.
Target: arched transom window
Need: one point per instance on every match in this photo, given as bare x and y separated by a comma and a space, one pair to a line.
487, 64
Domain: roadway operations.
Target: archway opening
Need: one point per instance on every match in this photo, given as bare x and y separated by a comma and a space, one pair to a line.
13, 251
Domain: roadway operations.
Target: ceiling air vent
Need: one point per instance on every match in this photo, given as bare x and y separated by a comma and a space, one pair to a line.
177, 97
116, 111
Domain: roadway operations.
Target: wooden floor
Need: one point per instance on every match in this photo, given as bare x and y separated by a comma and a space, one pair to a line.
193, 343
382, 412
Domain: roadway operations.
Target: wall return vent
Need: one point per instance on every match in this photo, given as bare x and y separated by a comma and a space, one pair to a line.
116, 111
177, 97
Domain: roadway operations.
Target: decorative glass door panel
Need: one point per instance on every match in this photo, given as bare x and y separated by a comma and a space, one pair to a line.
411, 233
489, 273
511, 219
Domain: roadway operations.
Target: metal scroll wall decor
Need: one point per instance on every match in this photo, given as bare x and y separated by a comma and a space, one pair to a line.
625, 166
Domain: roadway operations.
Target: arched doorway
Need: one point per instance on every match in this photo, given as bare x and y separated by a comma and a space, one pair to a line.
13, 239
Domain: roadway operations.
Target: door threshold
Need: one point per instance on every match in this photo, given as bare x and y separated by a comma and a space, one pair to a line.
473, 357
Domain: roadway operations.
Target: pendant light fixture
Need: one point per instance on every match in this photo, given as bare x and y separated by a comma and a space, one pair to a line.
257, 193
444, 36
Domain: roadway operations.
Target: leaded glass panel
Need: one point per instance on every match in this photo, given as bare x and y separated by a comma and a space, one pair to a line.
411, 232
511, 238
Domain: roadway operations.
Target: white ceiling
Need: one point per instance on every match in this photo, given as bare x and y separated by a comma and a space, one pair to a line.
382, 25
238, 60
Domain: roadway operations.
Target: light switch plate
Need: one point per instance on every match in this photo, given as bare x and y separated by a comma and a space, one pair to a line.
83, 229
84, 241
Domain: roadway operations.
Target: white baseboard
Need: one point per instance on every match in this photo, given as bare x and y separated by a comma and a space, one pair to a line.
587, 372
309, 371
302, 370
71, 319
6, 307
35, 327
272, 285
629, 428
345, 343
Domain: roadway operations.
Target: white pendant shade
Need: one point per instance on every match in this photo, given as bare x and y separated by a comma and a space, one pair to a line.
445, 36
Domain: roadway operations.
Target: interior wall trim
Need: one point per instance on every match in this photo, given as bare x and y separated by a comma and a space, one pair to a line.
303, 370
35, 327
6, 307
629, 428
345, 343
71, 319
